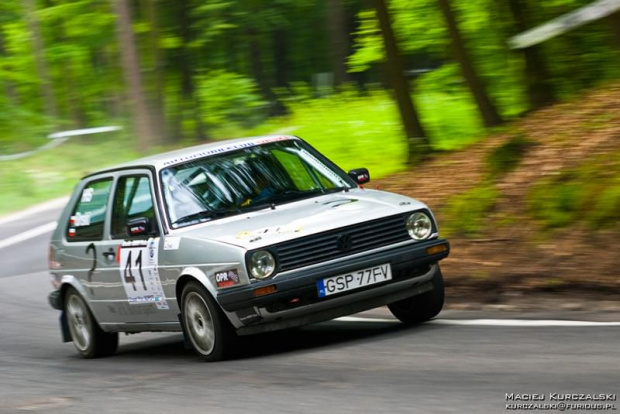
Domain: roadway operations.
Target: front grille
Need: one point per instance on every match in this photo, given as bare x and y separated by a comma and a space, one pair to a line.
341, 242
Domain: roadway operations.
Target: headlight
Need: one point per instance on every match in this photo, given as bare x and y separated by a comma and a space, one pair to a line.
419, 226
262, 264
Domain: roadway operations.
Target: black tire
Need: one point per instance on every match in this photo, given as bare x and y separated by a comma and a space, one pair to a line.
205, 325
421, 308
87, 336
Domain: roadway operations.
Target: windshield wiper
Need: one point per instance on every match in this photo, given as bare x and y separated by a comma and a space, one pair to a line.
336, 190
292, 195
205, 215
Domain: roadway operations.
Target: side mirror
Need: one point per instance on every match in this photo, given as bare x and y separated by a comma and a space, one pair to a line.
360, 175
140, 226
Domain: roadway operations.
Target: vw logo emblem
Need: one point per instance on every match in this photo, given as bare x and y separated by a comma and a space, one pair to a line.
345, 242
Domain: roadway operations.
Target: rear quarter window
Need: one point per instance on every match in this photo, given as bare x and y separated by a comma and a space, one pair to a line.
88, 217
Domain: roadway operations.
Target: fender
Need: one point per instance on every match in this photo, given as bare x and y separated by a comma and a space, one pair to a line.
72, 281
199, 275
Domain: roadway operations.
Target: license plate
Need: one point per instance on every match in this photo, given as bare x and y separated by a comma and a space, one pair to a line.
354, 280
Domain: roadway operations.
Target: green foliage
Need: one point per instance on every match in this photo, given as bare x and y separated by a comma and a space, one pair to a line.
447, 110
556, 204
588, 194
465, 213
212, 64
228, 97
420, 27
507, 156
369, 44
364, 130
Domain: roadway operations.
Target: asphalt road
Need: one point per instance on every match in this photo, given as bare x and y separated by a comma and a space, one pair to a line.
366, 364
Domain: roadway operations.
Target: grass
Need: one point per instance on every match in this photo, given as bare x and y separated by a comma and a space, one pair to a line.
507, 156
53, 173
351, 129
464, 213
587, 194
365, 131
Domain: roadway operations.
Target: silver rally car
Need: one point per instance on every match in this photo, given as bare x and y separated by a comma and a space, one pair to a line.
235, 238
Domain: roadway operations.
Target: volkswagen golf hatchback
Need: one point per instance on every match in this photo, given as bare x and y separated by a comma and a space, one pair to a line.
235, 238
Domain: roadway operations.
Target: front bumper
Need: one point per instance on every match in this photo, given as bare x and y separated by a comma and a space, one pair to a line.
296, 301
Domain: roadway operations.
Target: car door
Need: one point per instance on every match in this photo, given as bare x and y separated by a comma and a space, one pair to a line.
135, 293
84, 232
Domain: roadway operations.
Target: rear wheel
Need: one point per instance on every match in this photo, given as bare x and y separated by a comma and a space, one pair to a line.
421, 308
206, 326
89, 339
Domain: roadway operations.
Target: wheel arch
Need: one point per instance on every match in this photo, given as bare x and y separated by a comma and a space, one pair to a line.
68, 282
71, 282
190, 274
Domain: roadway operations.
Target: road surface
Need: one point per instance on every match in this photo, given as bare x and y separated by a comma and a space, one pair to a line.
464, 362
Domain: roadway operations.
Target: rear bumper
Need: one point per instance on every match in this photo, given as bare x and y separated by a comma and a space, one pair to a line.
296, 301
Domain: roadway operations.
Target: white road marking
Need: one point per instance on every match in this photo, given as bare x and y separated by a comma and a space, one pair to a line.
49, 205
489, 322
37, 231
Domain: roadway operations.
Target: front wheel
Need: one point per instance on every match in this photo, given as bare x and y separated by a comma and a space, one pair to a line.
421, 308
87, 336
206, 326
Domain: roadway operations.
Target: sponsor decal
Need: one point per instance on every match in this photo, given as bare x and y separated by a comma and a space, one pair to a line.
87, 195
257, 234
137, 229
172, 243
227, 148
139, 272
267, 140
80, 220
227, 278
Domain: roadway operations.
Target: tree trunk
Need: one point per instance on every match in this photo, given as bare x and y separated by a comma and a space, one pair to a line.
614, 24
487, 110
47, 91
70, 101
416, 137
235, 60
9, 87
133, 77
188, 87
337, 25
280, 52
73, 99
157, 68
539, 88
256, 65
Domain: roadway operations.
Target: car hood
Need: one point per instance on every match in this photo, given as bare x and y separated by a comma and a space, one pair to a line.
302, 218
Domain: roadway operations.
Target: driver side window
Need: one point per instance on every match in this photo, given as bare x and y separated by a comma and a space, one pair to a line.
132, 200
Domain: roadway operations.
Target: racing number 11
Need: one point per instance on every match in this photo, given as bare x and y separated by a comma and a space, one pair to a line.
129, 277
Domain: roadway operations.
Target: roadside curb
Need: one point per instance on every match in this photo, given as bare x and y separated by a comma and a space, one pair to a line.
47, 205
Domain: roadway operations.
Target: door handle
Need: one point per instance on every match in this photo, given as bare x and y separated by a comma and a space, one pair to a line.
109, 255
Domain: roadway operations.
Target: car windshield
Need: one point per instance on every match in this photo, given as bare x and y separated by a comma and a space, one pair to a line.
248, 179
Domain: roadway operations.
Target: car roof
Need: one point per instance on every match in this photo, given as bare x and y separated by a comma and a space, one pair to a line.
167, 159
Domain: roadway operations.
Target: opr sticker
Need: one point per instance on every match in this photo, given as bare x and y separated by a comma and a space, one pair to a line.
227, 278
